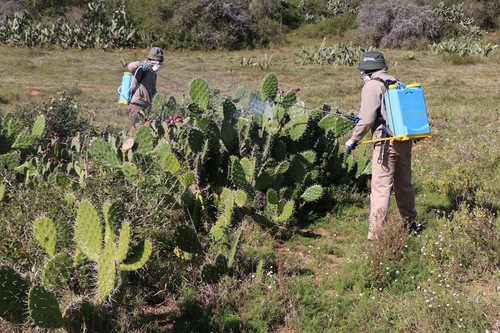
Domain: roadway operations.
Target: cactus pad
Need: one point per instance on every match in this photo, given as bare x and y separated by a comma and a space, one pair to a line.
144, 139
24, 140
106, 272
38, 126
44, 308
114, 214
240, 198
199, 93
130, 171
103, 154
287, 211
187, 239
312, 193
140, 255
123, 242
46, 234
88, 231
269, 87
13, 294
57, 271
171, 163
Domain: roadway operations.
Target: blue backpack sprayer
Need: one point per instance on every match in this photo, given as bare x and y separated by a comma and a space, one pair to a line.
406, 112
124, 88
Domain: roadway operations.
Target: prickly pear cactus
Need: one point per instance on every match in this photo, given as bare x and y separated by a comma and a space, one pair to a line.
114, 214
46, 234
211, 273
44, 308
13, 294
138, 256
269, 87
104, 154
38, 127
187, 239
106, 272
57, 271
144, 139
312, 193
199, 93
171, 163
88, 231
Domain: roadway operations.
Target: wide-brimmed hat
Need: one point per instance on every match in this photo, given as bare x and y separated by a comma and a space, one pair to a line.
372, 60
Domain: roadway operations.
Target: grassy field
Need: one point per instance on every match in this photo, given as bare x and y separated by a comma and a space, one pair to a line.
327, 279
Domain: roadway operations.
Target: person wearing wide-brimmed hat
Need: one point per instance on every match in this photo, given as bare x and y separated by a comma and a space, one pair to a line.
391, 165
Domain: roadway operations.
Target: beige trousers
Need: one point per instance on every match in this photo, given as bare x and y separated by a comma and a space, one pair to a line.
391, 169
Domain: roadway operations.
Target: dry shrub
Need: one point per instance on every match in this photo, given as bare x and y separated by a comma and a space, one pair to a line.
395, 24
387, 254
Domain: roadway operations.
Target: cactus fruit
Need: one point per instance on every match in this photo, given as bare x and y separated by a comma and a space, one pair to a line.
13, 293
46, 234
88, 231
199, 93
44, 308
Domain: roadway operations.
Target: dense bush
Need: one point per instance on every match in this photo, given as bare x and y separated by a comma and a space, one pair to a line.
395, 24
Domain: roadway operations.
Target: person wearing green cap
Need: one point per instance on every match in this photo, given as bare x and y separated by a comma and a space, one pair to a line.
391, 166
143, 86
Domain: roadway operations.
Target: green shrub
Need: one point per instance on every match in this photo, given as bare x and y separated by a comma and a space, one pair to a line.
62, 113
332, 26
465, 243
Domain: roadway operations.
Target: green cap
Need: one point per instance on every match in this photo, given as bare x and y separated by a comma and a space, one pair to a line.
372, 60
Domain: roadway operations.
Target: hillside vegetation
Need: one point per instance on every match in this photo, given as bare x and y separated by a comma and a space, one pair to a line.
233, 207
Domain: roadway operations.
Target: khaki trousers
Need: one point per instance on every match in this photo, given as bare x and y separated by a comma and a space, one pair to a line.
391, 169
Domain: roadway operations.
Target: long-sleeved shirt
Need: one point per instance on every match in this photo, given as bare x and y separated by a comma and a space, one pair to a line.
372, 114
144, 91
